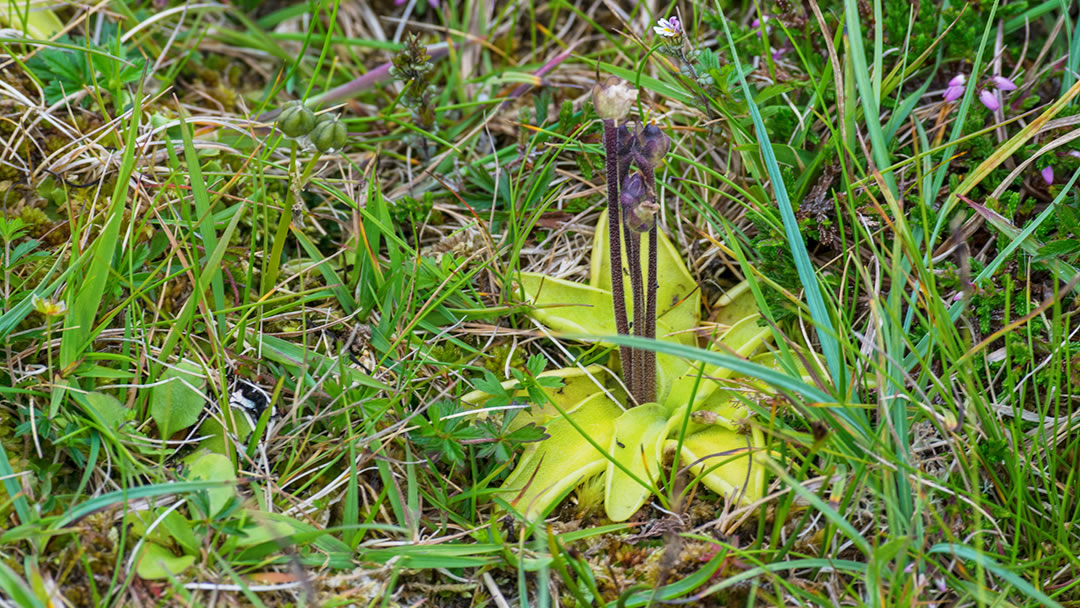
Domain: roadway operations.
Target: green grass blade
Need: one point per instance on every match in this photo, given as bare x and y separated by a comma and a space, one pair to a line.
818, 310
89, 293
205, 221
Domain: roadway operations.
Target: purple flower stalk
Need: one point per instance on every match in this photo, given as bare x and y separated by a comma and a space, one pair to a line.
989, 100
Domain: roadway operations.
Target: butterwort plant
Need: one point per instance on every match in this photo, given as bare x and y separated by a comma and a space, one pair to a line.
663, 408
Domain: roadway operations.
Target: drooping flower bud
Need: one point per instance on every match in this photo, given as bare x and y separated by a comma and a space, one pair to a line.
1003, 84
989, 100
613, 98
328, 134
296, 119
638, 208
652, 145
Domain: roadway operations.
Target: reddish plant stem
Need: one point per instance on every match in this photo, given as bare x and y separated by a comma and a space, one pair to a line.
649, 357
618, 296
633, 256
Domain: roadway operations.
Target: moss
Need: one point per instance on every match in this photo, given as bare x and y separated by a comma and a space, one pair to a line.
496, 364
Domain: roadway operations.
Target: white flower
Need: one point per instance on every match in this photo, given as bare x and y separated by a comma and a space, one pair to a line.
668, 28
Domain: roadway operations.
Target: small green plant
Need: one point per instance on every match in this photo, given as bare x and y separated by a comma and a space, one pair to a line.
413, 67
82, 65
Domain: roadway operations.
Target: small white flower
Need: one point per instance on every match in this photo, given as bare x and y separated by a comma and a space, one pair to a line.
668, 28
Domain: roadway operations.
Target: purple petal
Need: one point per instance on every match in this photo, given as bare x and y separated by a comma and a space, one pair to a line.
1073, 153
1003, 83
957, 81
954, 93
1047, 175
989, 100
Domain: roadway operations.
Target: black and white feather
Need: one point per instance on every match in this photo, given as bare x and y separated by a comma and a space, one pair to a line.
248, 398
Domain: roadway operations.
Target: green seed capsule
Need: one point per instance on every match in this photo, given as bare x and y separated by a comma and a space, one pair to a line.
296, 119
328, 133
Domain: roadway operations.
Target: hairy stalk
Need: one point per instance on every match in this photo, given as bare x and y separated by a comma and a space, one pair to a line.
648, 356
652, 284
611, 143
633, 256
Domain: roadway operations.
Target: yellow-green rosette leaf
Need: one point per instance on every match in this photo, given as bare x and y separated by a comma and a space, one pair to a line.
563, 460
567, 306
636, 445
729, 461
578, 385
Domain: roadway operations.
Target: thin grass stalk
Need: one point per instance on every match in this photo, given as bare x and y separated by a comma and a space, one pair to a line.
618, 296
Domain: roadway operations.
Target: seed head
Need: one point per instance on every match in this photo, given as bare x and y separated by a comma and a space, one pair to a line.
652, 145
638, 208
328, 134
613, 98
296, 119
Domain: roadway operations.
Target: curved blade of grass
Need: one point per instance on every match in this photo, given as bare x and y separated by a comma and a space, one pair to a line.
123, 496
818, 311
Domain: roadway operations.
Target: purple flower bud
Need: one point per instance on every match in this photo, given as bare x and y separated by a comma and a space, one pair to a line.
953, 93
989, 100
958, 81
1003, 84
638, 208
1073, 153
652, 145
1048, 175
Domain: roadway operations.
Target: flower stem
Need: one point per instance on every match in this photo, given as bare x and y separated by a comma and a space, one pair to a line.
615, 245
633, 255
652, 284
649, 357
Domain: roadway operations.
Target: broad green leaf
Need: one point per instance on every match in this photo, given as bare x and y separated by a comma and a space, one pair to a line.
157, 562
177, 403
636, 444
108, 409
213, 467
564, 459
172, 528
678, 299
724, 457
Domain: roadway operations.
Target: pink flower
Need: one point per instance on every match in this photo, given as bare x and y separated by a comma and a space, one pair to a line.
1048, 175
989, 100
955, 90
1003, 84
756, 24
